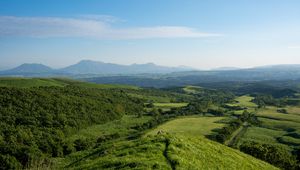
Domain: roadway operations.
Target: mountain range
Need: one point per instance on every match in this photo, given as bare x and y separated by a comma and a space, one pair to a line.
152, 73
85, 67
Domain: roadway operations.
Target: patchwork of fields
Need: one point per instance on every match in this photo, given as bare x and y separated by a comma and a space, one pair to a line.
282, 129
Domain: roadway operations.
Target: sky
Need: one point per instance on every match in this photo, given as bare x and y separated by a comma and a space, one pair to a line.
201, 34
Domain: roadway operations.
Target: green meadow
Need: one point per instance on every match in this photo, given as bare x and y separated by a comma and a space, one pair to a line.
190, 126
164, 152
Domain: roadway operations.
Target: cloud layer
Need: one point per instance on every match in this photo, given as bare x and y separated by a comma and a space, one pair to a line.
88, 27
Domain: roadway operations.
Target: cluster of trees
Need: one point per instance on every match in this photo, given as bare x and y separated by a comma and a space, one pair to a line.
225, 133
275, 155
282, 111
263, 100
34, 123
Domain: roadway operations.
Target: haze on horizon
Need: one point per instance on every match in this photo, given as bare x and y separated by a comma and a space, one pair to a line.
202, 35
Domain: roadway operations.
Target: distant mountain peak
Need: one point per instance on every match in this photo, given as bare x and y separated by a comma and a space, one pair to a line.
31, 68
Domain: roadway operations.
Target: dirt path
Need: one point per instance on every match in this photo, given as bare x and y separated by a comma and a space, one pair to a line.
237, 134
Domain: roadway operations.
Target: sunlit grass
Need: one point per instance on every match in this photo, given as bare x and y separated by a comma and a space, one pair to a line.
170, 105
271, 112
190, 126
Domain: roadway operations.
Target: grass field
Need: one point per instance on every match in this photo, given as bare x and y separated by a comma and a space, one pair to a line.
293, 110
29, 82
190, 126
122, 127
274, 132
160, 99
170, 105
104, 86
164, 152
192, 89
279, 124
271, 112
262, 135
276, 128
60, 82
244, 101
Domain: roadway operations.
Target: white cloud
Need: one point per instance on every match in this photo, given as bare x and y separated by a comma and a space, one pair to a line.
89, 26
104, 18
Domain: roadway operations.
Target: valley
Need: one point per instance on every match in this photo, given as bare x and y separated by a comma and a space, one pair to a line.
165, 128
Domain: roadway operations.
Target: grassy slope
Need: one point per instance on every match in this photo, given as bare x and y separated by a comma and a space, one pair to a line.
262, 135
29, 82
192, 89
167, 152
170, 105
60, 82
244, 101
122, 127
190, 126
161, 99
271, 112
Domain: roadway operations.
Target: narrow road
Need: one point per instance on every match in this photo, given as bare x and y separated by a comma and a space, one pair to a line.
237, 134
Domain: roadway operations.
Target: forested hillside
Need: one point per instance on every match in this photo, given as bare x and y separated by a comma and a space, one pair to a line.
34, 122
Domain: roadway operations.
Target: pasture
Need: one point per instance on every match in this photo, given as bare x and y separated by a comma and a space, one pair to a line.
190, 126
271, 112
170, 105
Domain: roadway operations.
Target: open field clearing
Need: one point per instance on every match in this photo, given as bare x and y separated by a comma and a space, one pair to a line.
271, 112
170, 105
29, 82
262, 135
280, 124
293, 110
190, 126
121, 127
245, 101
104, 86
152, 98
192, 89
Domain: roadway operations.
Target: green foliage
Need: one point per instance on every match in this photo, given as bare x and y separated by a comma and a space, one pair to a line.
9, 162
282, 111
275, 155
34, 122
263, 100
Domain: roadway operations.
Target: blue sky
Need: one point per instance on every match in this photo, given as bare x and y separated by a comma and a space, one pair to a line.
200, 34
